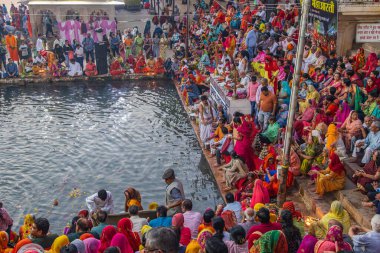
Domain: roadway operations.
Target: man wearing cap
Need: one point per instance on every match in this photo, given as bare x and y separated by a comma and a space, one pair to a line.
174, 192
369, 144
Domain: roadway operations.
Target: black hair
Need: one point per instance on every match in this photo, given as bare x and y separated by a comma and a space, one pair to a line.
112, 250
375, 72
43, 225
133, 210
224, 130
71, 248
237, 120
101, 216
263, 215
332, 91
102, 194
204, 98
162, 211
254, 78
305, 75
373, 93
82, 224
73, 225
347, 82
350, 72
292, 233
238, 114
215, 245
208, 215
218, 224
265, 88
187, 204
230, 197
330, 98
237, 234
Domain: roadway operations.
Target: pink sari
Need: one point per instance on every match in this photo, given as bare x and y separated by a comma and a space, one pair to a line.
342, 114
243, 147
333, 241
260, 194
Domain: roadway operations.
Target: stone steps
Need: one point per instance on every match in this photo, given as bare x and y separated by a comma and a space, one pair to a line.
350, 198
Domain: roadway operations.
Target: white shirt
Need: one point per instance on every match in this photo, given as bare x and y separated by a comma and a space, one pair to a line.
138, 223
39, 45
192, 220
39, 59
79, 52
94, 202
76, 70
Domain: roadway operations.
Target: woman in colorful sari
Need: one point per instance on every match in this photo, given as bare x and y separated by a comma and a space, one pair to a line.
163, 46
284, 95
257, 62
370, 104
122, 243
243, 143
292, 233
260, 194
105, 239
331, 179
273, 241
132, 198
307, 244
159, 67
312, 94
308, 153
92, 245
304, 120
333, 242
245, 190
116, 69
11, 42
234, 170
370, 65
337, 213
25, 229
370, 173
271, 70
297, 216
125, 227
269, 169
355, 97
183, 233
140, 64
138, 44
333, 139
342, 114
90, 69
359, 59
59, 243
4, 243
351, 128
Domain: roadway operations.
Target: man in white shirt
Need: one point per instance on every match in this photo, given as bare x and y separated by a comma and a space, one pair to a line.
74, 68
166, 28
100, 201
58, 41
39, 59
234, 206
79, 55
39, 43
192, 219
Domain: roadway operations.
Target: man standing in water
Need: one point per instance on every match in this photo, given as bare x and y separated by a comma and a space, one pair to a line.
174, 192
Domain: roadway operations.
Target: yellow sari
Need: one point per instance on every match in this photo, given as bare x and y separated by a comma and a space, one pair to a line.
59, 243
331, 136
25, 229
312, 94
337, 213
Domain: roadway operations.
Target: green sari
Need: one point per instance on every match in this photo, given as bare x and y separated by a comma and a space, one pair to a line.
271, 242
356, 100
312, 150
139, 42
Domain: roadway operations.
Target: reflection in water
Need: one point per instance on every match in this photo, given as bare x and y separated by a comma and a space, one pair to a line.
92, 136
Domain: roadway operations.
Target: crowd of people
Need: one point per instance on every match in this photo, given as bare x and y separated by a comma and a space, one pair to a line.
249, 55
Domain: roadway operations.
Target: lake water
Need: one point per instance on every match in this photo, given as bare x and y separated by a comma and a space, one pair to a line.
59, 137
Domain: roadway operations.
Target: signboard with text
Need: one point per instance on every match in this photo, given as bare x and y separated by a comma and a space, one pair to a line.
323, 23
368, 33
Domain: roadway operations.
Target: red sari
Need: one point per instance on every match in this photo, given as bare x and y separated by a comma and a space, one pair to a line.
243, 147
115, 69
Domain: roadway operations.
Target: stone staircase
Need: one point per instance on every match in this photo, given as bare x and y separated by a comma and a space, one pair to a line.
350, 198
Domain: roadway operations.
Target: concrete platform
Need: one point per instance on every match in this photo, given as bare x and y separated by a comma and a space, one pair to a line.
349, 196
